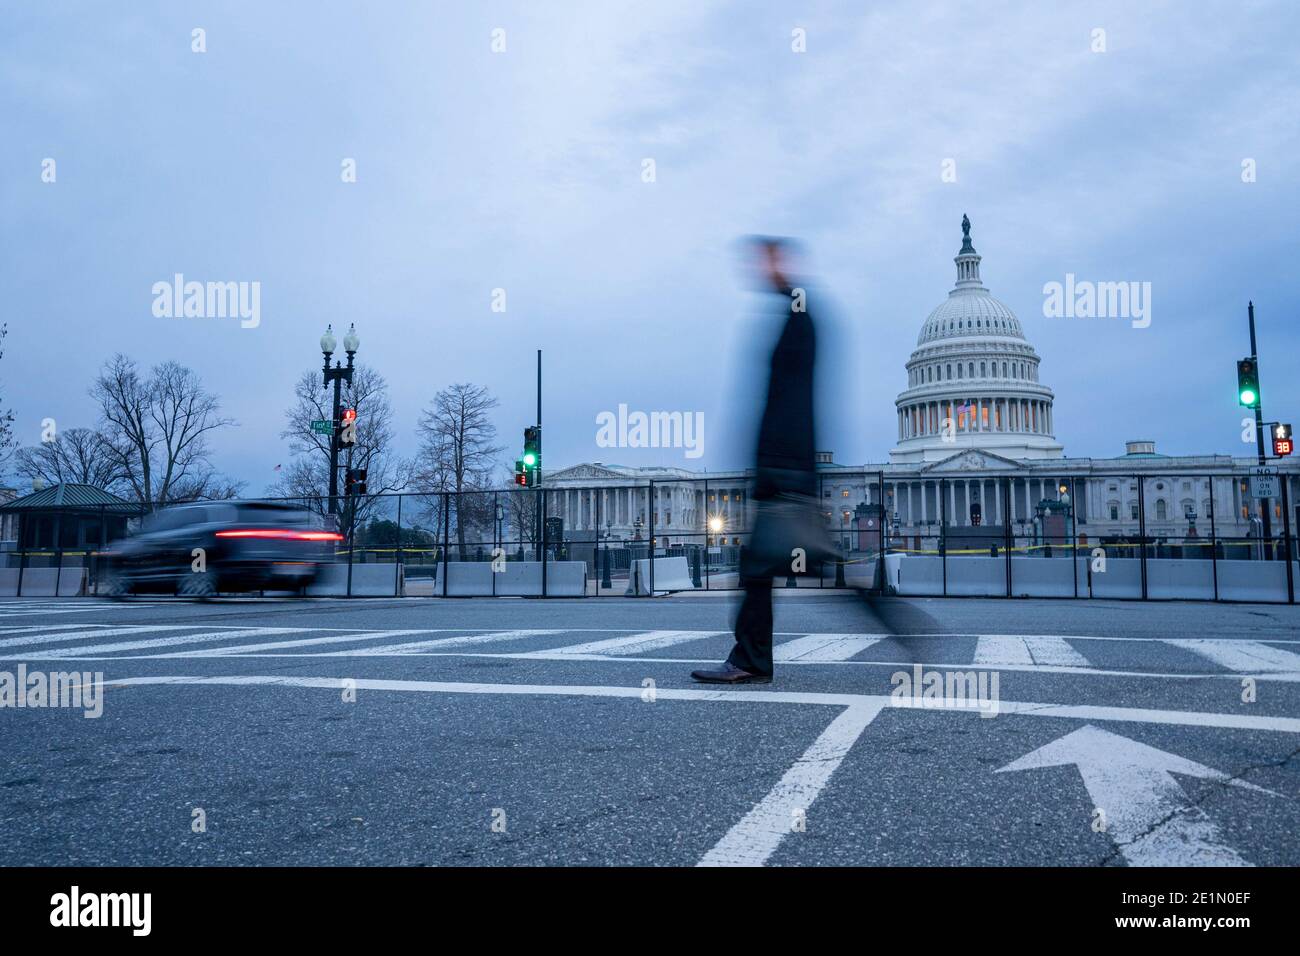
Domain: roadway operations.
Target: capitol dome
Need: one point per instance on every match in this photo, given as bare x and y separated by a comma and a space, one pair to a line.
973, 379
969, 312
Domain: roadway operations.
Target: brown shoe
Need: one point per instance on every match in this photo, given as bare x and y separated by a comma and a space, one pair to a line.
729, 673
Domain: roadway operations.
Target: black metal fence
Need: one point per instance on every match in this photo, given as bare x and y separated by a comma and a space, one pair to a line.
1120, 536
1124, 536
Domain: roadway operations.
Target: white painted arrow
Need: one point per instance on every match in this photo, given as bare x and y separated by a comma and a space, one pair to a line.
1147, 813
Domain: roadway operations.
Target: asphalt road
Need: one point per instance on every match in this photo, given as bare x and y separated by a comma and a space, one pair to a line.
511, 731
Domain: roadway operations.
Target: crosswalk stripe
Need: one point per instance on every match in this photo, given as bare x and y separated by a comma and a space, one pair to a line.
46, 611
277, 645
1243, 657
633, 644
992, 650
47, 638
45, 627
467, 640
173, 641
824, 647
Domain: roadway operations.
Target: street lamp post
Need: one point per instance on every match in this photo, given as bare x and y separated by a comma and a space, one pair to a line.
338, 375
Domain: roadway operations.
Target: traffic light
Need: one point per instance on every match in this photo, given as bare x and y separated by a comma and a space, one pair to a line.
1283, 444
348, 430
1248, 383
532, 459
521, 473
355, 481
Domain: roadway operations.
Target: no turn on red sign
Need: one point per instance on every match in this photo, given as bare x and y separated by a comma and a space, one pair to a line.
1264, 482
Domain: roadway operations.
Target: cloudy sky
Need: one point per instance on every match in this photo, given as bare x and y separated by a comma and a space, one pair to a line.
522, 170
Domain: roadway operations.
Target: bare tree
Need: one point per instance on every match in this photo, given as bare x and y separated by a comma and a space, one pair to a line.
457, 454
159, 428
308, 475
6, 415
77, 455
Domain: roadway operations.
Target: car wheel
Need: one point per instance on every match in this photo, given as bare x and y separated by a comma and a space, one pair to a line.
114, 587
198, 584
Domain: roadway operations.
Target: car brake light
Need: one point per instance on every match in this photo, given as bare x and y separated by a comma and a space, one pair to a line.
282, 535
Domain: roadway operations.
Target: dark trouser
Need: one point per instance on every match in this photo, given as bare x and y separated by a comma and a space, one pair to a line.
753, 650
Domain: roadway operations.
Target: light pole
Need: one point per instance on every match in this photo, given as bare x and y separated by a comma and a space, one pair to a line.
338, 375
1264, 504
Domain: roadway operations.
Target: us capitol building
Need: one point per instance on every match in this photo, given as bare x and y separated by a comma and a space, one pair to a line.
974, 413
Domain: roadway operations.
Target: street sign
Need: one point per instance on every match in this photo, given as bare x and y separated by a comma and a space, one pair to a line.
322, 427
1263, 481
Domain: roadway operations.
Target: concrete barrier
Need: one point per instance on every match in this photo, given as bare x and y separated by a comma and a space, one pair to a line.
74, 582
368, 580
468, 579
1183, 579
1121, 579
671, 574
41, 582
1253, 580
516, 579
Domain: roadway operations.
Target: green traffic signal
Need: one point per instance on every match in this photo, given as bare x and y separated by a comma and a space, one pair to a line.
530, 459
1248, 383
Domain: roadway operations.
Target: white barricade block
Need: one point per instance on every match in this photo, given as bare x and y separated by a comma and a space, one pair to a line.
671, 574
8, 582
515, 579
368, 580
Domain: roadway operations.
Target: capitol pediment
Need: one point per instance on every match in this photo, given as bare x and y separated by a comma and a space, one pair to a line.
584, 472
971, 460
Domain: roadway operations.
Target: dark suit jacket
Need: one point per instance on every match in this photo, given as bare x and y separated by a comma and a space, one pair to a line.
786, 434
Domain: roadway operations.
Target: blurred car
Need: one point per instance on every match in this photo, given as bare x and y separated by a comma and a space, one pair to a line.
206, 548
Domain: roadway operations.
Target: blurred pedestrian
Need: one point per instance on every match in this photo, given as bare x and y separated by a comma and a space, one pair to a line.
788, 534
